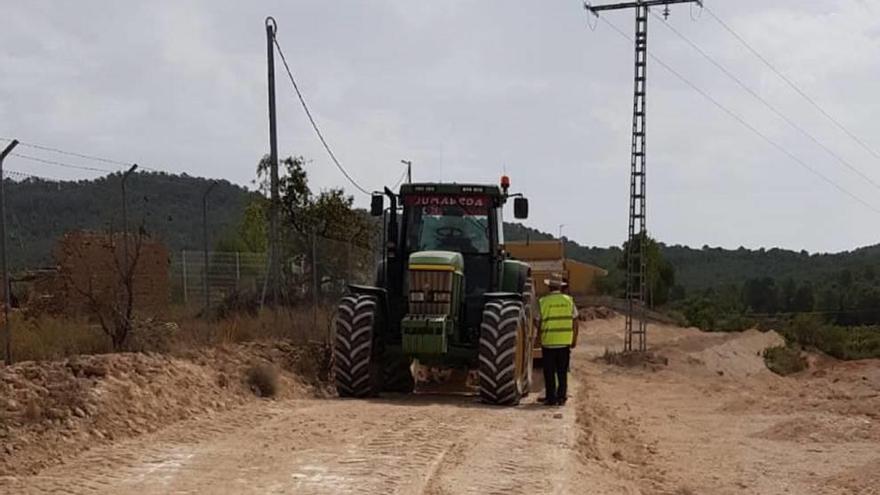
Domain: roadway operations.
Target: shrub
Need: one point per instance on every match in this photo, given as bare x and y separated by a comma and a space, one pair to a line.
784, 360
46, 338
263, 380
861, 342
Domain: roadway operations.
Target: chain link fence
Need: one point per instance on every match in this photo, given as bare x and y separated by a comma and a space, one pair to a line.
315, 272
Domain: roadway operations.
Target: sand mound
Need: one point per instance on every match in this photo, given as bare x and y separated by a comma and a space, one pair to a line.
827, 429
864, 479
739, 355
51, 409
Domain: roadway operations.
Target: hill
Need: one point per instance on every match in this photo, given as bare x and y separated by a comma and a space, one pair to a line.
168, 206
710, 267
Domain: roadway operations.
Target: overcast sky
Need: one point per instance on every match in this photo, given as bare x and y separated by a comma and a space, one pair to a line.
467, 90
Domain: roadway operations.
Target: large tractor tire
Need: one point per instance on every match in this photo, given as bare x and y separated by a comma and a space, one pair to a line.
504, 353
356, 352
397, 375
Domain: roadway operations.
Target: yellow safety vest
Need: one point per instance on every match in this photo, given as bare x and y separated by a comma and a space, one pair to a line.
557, 324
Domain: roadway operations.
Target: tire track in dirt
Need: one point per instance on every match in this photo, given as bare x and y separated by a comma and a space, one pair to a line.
417, 444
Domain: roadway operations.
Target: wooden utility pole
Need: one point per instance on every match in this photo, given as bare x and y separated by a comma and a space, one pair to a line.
637, 240
274, 205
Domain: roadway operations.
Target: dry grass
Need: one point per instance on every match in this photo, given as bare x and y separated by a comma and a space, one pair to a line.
294, 324
646, 359
50, 338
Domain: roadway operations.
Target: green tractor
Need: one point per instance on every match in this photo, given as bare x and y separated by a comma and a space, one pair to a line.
446, 294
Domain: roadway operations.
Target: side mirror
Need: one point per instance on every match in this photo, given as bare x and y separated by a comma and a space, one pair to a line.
377, 205
521, 208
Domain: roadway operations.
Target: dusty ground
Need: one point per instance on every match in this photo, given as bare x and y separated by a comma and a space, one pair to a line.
712, 420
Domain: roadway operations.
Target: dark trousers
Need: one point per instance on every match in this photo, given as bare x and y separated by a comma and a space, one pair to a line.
555, 361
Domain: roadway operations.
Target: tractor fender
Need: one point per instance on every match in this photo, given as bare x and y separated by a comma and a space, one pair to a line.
379, 292
501, 296
515, 275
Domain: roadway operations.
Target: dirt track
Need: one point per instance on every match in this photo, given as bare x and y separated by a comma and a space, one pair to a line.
711, 421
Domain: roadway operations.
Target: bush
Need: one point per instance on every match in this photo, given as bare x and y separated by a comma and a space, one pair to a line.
735, 323
841, 342
238, 304
263, 380
784, 360
46, 338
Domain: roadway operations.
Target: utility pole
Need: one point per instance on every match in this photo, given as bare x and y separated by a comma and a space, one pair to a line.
561, 225
7, 288
274, 251
408, 170
125, 217
205, 240
637, 238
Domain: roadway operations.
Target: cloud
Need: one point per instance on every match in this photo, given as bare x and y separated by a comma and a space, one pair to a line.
467, 90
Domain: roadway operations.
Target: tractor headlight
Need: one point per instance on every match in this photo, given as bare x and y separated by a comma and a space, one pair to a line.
444, 297
416, 296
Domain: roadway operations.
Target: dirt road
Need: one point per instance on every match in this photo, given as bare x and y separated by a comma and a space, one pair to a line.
711, 420
413, 445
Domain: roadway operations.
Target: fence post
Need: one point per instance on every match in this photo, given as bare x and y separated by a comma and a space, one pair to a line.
7, 286
314, 282
183, 263
237, 271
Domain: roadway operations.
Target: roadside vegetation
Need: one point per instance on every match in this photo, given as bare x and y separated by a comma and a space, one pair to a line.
784, 359
52, 338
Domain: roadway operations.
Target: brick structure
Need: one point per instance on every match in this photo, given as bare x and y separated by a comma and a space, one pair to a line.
90, 263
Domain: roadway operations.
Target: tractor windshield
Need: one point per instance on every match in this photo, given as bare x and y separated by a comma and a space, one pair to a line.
448, 223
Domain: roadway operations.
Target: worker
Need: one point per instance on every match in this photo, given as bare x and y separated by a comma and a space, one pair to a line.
559, 329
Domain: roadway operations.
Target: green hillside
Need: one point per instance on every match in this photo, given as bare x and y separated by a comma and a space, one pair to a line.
169, 207
846, 285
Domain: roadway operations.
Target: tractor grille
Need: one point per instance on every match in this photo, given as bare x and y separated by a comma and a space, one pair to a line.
429, 282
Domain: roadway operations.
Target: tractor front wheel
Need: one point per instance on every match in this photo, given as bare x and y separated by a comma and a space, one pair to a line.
504, 352
357, 367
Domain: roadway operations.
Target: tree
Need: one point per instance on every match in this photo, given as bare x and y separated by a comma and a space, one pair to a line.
761, 295
660, 273
804, 300
324, 226
251, 235
107, 283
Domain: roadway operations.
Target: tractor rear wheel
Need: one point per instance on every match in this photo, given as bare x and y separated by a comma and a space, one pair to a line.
357, 367
504, 352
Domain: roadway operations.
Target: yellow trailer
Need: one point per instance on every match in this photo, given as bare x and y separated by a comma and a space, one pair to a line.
547, 260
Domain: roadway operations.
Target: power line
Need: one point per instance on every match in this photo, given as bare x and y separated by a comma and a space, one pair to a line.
25, 175
84, 156
400, 180
72, 153
159, 175
63, 164
312, 121
746, 124
769, 105
792, 84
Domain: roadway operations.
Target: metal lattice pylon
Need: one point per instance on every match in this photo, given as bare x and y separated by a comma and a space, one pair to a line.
635, 337
636, 256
